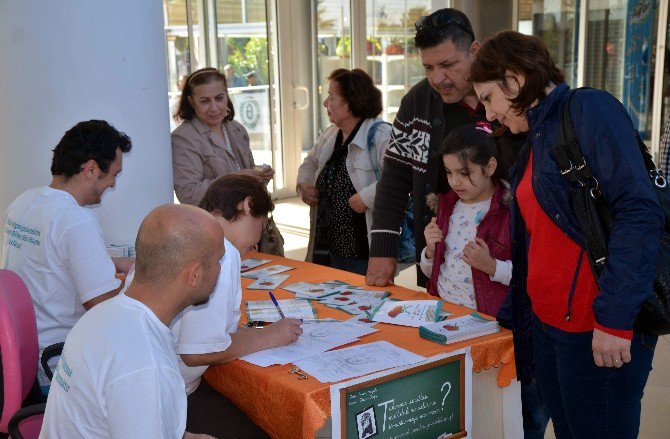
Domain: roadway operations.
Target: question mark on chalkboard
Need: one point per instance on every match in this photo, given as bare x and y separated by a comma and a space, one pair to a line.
446, 383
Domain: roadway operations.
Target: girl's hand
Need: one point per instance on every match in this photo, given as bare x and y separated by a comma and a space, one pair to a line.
476, 254
433, 235
356, 203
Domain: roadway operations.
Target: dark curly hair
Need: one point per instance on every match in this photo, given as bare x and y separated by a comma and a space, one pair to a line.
526, 55
185, 110
226, 192
91, 140
357, 88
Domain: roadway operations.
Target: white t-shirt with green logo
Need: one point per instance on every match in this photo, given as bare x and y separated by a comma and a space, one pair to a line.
57, 248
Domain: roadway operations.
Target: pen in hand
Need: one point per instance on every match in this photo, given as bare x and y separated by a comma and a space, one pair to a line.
274, 300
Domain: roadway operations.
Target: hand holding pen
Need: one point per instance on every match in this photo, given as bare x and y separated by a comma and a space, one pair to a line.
274, 300
287, 330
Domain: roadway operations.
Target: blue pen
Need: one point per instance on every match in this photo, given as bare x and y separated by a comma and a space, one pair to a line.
272, 296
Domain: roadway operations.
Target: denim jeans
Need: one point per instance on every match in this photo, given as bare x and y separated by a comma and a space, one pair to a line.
533, 410
358, 266
584, 400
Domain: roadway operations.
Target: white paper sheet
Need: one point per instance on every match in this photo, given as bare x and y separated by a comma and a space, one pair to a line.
360, 307
355, 361
351, 296
307, 290
315, 339
250, 263
408, 312
268, 282
267, 271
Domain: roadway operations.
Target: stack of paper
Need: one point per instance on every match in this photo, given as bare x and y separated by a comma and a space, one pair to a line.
351, 296
357, 360
458, 329
266, 311
307, 290
315, 339
354, 300
268, 282
250, 263
267, 271
408, 312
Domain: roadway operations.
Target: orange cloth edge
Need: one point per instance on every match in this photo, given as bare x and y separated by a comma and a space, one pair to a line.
304, 412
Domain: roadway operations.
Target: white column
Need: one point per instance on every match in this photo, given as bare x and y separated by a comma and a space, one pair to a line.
71, 60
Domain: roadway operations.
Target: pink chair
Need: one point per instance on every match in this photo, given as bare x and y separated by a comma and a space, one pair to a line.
19, 349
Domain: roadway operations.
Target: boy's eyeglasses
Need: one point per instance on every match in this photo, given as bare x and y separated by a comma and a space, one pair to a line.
441, 19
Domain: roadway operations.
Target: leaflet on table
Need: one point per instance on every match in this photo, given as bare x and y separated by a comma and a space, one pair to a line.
354, 361
315, 339
265, 310
319, 291
353, 295
359, 307
362, 320
268, 282
307, 290
444, 314
267, 271
408, 312
458, 329
249, 263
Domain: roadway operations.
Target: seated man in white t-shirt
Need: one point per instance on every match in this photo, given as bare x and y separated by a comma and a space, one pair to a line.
55, 244
209, 334
118, 375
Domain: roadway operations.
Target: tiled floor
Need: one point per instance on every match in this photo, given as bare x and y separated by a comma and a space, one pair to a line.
292, 217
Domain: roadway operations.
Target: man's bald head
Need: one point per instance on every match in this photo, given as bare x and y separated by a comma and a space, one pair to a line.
173, 236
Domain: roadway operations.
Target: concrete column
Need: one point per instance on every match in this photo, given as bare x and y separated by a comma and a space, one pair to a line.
71, 60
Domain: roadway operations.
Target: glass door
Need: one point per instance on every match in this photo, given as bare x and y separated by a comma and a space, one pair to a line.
392, 60
557, 23
333, 48
232, 35
620, 40
244, 57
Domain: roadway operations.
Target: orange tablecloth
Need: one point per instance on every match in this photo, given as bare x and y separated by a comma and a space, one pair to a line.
286, 407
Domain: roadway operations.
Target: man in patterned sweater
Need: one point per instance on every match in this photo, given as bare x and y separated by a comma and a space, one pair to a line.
441, 102
444, 100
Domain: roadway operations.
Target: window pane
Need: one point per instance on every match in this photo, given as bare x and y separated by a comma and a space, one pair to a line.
178, 52
255, 11
393, 60
618, 49
557, 23
333, 36
627, 32
243, 57
229, 11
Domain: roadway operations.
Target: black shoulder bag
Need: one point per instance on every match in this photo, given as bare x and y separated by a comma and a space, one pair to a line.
595, 220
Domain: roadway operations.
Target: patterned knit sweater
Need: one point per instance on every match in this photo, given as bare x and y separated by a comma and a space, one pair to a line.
411, 166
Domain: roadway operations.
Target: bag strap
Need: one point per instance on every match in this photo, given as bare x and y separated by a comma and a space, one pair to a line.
372, 148
590, 207
567, 152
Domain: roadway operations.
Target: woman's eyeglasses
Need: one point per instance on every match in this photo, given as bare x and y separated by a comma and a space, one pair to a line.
442, 19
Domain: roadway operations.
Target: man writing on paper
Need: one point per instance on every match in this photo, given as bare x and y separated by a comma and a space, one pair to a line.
209, 334
118, 375
55, 244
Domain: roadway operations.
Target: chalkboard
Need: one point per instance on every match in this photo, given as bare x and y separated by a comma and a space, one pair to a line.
423, 401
